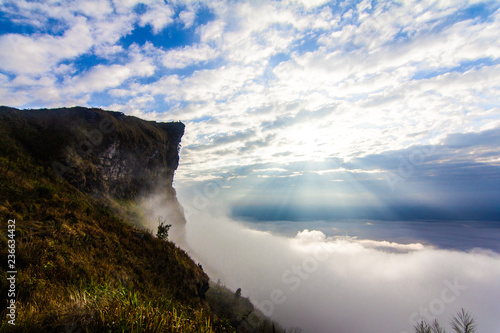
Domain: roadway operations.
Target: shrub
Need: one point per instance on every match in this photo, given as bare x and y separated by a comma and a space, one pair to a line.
463, 322
163, 228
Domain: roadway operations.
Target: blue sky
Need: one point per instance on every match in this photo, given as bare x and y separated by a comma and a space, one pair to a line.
372, 104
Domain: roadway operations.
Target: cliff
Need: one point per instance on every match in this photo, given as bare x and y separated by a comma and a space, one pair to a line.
104, 153
65, 177
98, 151
83, 188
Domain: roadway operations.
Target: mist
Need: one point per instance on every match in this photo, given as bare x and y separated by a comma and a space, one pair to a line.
343, 284
162, 205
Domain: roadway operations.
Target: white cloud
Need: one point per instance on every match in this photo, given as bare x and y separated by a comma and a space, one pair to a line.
107, 51
102, 77
189, 55
107, 31
94, 8
187, 17
292, 81
135, 107
256, 48
25, 89
158, 16
207, 84
309, 4
39, 54
212, 31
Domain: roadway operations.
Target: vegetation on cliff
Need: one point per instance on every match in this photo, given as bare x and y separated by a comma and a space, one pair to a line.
81, 265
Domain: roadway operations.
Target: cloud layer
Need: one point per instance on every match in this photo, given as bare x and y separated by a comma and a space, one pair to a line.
341, 284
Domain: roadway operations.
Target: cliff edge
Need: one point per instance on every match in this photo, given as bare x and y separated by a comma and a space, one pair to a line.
98, 151
103, 153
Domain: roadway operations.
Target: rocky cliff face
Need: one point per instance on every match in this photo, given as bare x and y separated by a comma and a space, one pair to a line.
101, 152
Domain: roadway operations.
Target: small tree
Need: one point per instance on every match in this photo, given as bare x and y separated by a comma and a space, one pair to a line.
422, 327
436, 328
463, 322
163, 228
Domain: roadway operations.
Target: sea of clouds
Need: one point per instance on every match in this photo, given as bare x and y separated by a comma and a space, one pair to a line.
342, 284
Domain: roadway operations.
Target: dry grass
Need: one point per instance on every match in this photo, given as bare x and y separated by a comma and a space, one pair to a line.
82, 266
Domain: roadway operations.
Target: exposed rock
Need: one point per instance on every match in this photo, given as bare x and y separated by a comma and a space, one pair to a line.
104, 153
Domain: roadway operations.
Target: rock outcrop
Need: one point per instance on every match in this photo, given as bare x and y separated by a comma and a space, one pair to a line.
103, 153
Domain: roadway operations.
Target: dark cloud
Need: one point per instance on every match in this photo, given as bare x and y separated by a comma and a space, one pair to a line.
232, 137
489, 138
251, 145
222, 139
301, 116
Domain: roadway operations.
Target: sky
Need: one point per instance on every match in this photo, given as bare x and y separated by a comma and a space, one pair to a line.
360, 105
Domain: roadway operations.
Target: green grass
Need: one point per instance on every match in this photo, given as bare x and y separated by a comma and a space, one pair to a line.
106, 308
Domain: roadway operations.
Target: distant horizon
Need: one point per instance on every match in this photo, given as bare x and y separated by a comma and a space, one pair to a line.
442, 234
266, 212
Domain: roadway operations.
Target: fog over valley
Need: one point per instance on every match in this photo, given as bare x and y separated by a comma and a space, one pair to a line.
343, 284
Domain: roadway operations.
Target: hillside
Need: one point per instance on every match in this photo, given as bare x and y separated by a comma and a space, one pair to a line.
70, 179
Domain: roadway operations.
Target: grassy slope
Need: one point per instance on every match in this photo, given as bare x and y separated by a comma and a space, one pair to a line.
82, 267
